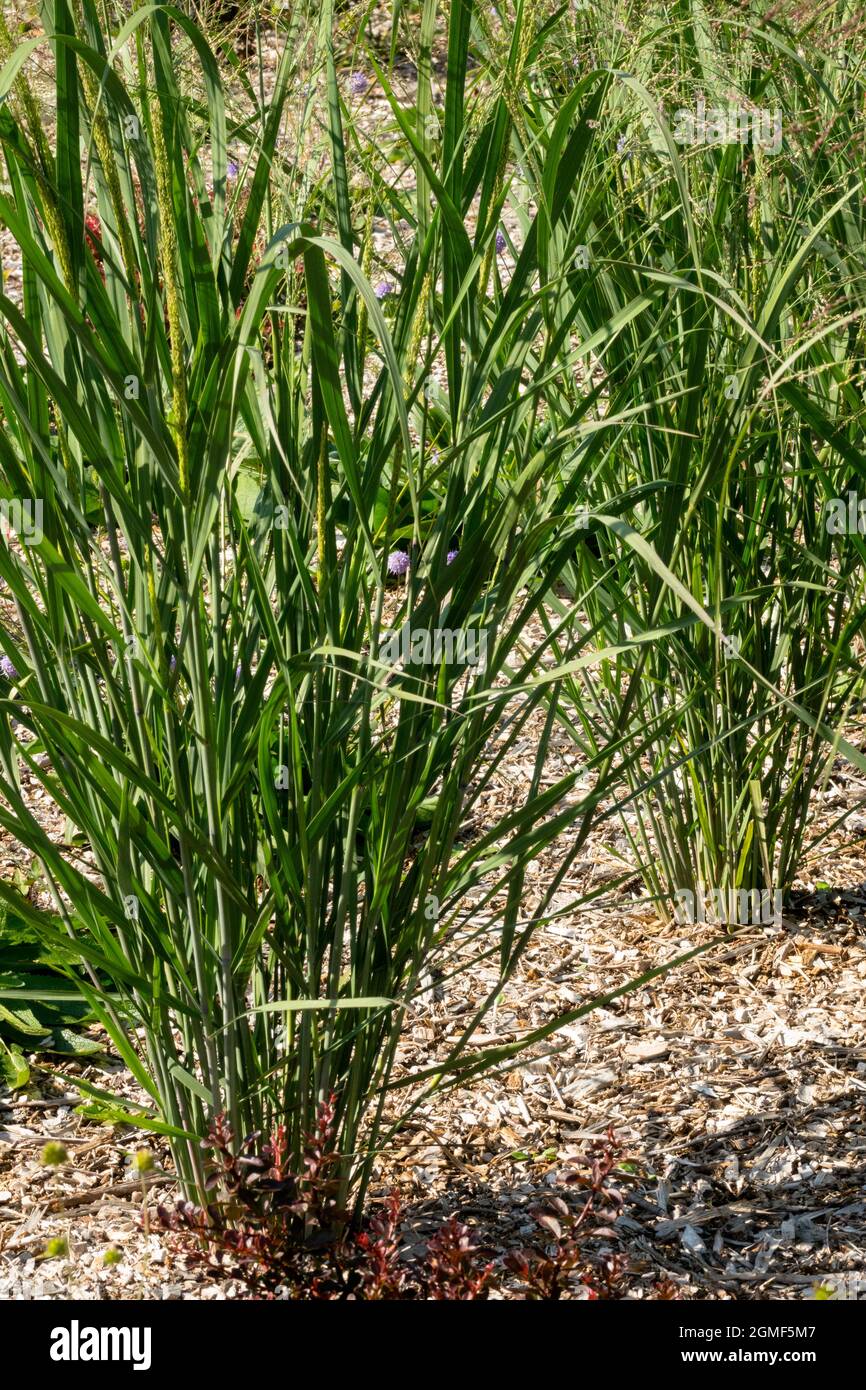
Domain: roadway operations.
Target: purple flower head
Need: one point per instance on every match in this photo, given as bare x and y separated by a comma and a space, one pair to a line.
383, 289
501, 243
398, 562
7, 669
232, 169
620, 145
358, 84
452, 555
172, 664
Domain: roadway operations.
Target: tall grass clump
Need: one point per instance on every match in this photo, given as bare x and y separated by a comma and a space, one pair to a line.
270, 640
720, 325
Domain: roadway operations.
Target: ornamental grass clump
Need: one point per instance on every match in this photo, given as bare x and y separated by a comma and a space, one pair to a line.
717, 316
277, 820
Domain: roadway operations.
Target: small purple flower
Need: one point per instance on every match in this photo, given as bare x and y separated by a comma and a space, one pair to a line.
383, 289
358, 84
398, 562
620, 145
7, 669
501, 243
452, 555
232, 169
172, 664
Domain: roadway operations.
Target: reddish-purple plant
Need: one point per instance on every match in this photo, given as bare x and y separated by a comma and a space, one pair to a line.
382, 1273
551, 1272
283, 1232
665, 1288
452, 1271
264, 1218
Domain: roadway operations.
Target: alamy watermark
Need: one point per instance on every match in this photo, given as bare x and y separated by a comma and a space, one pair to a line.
728, 125
23, 518
464, 646
845, 516
741, 907
77, 1343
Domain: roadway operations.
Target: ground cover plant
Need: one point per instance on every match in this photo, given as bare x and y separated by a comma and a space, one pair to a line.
338, 463
251, 1231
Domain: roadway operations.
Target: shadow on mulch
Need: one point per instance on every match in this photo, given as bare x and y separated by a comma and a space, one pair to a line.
771, 1208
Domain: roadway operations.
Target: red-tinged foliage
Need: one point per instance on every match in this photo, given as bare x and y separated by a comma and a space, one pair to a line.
283, 1234
554, 1270
264, 1218
665, 1288
383, 1274
451, 1267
